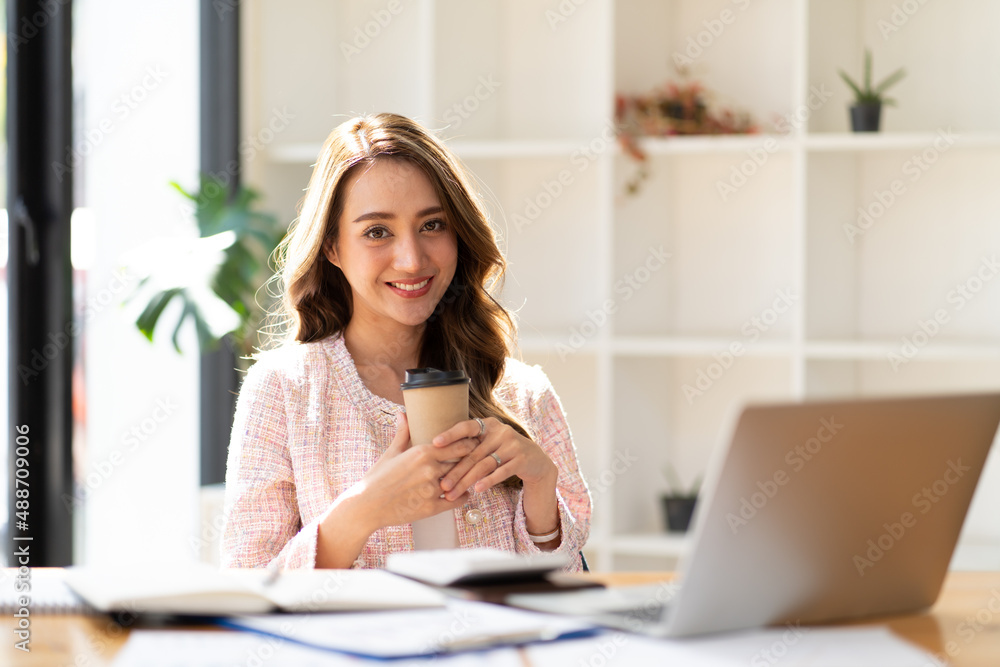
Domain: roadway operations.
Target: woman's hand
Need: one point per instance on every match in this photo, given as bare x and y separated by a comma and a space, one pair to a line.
403, 486
518, 455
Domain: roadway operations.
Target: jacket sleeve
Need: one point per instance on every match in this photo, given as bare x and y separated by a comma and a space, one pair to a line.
263, 524
553, 435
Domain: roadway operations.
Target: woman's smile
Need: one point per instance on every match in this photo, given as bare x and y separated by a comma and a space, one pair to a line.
411, 289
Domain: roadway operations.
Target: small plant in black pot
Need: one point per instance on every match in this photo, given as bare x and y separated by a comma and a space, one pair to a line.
866, 113
678, 502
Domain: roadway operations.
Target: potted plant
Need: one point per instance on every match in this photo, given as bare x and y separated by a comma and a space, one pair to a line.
678, 502
216, 278
866, 112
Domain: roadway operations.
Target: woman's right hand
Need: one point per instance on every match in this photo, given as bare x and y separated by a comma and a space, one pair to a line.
404, 485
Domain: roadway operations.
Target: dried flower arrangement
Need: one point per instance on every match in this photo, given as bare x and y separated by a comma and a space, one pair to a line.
673, 109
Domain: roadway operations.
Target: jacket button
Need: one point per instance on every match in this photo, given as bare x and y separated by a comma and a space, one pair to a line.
474, 516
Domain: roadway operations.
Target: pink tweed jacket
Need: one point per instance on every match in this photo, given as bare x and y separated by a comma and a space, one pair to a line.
307, 429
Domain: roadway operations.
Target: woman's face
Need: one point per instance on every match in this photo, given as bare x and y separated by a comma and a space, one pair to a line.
394, 244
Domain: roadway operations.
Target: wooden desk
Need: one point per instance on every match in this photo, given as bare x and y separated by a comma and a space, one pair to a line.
964, 626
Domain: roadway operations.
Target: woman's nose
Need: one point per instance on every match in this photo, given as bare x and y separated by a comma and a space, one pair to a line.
409, 253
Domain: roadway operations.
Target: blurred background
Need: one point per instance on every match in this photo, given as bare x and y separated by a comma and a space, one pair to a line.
691, 221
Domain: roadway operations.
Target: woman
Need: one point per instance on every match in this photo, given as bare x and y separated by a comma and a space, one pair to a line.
388, 268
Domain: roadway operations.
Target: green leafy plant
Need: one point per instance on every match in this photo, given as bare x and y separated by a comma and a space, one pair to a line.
214, 277
866, 93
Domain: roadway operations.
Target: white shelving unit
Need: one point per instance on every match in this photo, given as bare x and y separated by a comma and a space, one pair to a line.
768, 265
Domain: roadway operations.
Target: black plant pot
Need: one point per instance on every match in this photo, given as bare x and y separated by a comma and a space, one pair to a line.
677, 511
866, 117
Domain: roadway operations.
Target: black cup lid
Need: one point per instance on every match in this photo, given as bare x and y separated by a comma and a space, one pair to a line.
417, 378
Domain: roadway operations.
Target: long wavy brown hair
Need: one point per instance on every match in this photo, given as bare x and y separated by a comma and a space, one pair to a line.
469, 329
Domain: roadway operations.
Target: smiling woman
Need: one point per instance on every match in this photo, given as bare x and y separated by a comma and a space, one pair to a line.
390, 267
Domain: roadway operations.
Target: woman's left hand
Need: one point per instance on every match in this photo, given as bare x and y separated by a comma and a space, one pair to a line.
479, 469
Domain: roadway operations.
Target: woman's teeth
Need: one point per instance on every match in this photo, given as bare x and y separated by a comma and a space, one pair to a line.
411, 288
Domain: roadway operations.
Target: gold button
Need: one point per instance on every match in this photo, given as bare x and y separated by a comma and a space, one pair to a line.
473, 516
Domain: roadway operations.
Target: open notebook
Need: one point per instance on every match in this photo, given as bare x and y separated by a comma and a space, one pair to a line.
198, 589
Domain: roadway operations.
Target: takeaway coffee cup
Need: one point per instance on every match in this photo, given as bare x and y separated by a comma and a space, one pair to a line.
435, 401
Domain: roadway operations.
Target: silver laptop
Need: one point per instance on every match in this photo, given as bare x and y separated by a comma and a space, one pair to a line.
818, 512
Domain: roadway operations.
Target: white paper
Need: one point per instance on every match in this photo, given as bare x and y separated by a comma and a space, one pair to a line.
462, 625
193, 648
812, 647
816, 647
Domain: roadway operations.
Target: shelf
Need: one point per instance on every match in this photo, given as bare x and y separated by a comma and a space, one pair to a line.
306, 153
515, 149
713, 144
655, 346
886, 141
556, 344
879, 350
651, 544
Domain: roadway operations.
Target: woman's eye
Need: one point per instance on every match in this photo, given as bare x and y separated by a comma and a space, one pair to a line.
434, 225
376, 233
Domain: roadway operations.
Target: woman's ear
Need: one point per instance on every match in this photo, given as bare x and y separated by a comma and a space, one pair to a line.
330, 250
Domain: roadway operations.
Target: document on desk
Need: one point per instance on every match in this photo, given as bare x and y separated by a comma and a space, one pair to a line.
463, 625
774, 647
196, 648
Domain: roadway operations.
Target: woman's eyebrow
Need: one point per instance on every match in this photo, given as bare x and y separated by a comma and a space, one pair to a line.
379, 215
